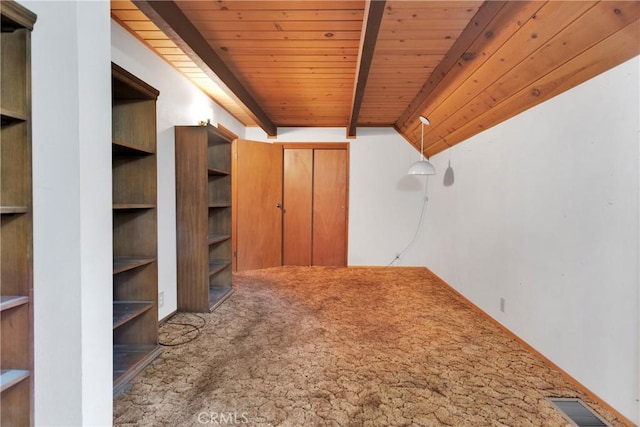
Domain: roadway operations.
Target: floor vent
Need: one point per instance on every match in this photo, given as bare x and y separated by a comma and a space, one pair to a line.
579, 413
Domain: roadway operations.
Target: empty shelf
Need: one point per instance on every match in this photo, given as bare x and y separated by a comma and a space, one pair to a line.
9, 117
217, 238
122, 148
217, 266
132, 206
121, 264
10, 301
128, 360
123, 311
13, 209
217, 295
11, 377
215, 171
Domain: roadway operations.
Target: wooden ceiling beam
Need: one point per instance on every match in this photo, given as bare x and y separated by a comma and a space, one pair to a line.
172, 21
475, 28
374, 10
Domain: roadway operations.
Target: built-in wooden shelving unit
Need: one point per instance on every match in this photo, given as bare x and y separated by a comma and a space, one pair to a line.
16, 235
135, 269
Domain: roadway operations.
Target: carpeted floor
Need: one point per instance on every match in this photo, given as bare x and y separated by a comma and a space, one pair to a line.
307, 346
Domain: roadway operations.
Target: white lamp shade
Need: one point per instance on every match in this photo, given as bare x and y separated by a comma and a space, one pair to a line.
421, 167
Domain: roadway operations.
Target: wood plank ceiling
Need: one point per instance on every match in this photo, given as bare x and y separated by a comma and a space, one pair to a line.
466, 65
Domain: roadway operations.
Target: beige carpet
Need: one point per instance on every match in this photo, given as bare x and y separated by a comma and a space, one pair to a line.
307, 346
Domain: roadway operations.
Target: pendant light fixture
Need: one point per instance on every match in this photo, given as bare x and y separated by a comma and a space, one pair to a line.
422, 166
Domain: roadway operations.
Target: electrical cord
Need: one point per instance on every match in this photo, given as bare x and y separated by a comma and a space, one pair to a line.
191, 328
418, 227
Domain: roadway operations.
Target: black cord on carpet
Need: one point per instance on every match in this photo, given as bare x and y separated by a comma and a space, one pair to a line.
191, 328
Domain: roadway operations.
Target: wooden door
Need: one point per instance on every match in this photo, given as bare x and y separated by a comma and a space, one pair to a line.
298, 200
258, 201
330, 191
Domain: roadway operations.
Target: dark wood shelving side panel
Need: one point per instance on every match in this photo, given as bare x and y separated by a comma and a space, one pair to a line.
191, 221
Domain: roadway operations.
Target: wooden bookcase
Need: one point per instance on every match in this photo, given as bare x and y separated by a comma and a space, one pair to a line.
16, 235
135, 268
203, 204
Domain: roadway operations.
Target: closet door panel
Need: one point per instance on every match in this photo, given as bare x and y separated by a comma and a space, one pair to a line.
329, 207
298, 199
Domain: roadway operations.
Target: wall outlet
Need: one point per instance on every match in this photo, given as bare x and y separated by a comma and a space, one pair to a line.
160, 299
502, 304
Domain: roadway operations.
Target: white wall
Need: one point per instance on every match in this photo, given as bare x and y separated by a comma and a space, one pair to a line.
544, 212
384, 202
72, 213
179, 103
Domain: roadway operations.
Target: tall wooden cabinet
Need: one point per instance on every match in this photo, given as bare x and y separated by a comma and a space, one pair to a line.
16, 235
135, 267
203, 216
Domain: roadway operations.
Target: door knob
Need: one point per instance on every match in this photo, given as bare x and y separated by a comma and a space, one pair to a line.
279, 205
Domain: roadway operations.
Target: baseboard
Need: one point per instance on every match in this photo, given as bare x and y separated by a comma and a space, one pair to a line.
526, 345
165, 318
